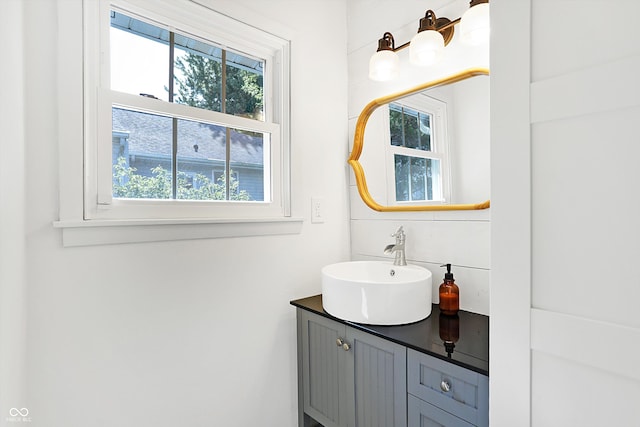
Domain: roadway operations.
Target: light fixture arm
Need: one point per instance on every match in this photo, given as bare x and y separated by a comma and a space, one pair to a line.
447, 25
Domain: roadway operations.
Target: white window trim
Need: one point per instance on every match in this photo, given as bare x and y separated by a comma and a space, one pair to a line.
78, 228
439, 147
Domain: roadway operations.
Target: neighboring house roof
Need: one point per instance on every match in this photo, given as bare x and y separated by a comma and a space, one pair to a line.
151, 135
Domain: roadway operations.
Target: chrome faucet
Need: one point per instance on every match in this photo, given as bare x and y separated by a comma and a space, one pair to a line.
398, 248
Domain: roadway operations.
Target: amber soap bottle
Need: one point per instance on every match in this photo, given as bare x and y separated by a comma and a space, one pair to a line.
449, 294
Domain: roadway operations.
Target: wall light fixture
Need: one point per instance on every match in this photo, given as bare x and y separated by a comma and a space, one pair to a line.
427, 46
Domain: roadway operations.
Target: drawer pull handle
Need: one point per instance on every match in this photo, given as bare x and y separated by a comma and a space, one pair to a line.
339, 342
346, 346
445, 386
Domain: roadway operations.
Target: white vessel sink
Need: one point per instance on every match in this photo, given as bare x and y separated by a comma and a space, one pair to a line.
376, 292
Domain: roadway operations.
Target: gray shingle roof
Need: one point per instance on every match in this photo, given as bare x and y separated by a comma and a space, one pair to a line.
151, 134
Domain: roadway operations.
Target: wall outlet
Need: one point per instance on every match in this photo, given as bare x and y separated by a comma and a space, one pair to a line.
317, 209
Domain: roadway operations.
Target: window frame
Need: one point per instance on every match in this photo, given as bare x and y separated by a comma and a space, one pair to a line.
99, 170
439, 148
81, 56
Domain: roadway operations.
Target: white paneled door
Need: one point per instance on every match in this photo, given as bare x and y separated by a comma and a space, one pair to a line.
565, 324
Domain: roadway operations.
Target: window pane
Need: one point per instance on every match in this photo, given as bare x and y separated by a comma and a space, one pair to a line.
140, 65
395, 124
418, 175
141, 155
247, 165
139, 57
245, 89
417, 179
201, 161
402, 178
198, 79
424, 121
411, 129
197, 74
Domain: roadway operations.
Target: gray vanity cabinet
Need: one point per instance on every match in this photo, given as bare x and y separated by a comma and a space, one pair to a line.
352, 375
349, 378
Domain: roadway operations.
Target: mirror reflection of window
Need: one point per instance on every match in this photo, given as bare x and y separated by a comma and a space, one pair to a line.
417, 158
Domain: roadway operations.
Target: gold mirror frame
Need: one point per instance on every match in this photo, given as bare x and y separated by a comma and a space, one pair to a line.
358, 144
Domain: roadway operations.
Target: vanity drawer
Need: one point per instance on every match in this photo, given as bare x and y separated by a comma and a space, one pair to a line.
423, 414
452, 388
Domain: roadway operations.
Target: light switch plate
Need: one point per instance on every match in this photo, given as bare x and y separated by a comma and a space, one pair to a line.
317, 210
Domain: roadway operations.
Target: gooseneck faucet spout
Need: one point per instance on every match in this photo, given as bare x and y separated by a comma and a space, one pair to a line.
397, 248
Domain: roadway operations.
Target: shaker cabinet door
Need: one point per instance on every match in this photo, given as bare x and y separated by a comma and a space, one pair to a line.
377, 370
351, 378
323, 370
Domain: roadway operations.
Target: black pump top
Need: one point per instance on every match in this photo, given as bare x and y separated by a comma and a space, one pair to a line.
448, 275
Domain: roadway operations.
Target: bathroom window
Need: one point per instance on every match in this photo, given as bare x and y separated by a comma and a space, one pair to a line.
182, 109
166, 152
417, 151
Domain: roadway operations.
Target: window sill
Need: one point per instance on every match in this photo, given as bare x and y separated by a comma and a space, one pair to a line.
111, 232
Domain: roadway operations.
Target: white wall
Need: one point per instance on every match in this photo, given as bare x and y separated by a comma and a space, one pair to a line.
433, 238
565, 337
13, 289
195, 333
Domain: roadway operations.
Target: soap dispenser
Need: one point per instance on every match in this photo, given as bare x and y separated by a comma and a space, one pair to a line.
449, 294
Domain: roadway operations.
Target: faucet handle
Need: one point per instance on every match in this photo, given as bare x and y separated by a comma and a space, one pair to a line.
399, 233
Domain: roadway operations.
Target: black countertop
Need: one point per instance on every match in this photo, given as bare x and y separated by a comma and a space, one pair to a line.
462, 340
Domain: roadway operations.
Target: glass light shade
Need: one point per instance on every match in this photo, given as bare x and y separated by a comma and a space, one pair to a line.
384, 65
426, 48
475, 25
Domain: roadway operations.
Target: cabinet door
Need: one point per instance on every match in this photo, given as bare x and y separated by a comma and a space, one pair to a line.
422, 414
323, 364
377, 371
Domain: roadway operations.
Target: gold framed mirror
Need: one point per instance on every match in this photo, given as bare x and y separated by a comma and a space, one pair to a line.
359, 142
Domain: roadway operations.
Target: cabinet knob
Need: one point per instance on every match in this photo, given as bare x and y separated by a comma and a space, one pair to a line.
339, 342
346, 346
445, 386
